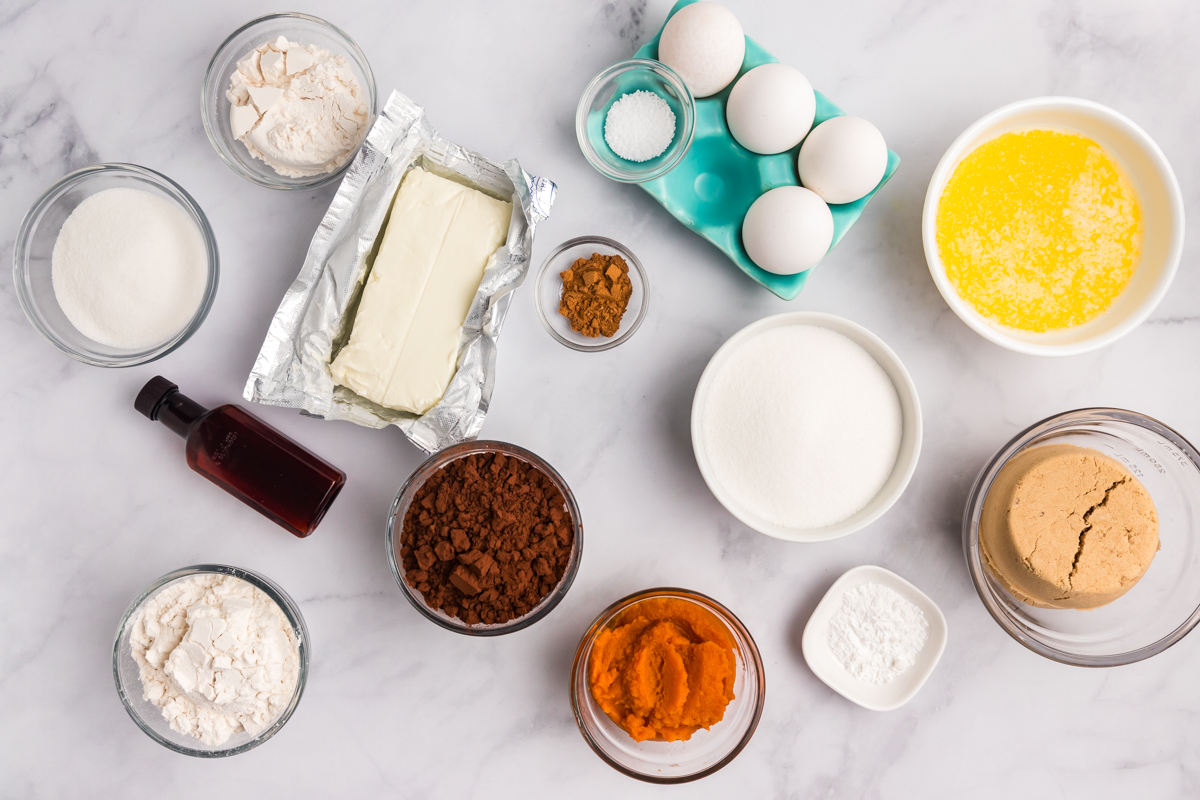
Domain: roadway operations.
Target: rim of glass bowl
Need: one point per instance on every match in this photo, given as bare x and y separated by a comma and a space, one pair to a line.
589, 95
545, 272
282, 182
974, 509
725, 615
405, 496
272, 590
48, 198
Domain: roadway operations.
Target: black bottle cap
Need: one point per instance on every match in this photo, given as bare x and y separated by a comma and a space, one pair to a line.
152, 395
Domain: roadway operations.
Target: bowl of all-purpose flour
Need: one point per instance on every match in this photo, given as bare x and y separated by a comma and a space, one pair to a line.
116, 265
806, 426
287, 100
211, 660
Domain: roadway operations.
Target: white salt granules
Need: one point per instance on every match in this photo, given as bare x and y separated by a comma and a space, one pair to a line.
639, 126
129, 268
876, 634
801, 426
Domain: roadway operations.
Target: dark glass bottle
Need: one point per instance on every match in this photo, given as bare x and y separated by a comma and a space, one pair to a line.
247, 457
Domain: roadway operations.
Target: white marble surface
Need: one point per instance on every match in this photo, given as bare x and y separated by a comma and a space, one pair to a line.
96, 502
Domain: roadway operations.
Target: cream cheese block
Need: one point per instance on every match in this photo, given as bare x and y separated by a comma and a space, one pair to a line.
404, 341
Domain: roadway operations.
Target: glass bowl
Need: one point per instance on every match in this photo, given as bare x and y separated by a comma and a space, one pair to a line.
672, 762
214, 108
405, 497
1165, 604
610, 86
549, 293
149, 716
35, 248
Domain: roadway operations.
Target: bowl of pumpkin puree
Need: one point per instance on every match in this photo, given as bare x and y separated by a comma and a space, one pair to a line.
667, 685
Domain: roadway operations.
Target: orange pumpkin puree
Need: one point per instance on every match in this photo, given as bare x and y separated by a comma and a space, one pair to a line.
664, 669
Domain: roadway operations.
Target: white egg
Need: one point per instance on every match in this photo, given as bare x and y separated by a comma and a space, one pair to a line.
787, 230
770, 109
843, 159
705, 44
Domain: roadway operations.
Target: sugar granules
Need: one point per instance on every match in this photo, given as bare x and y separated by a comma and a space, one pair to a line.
129, 269
801, 426
876, 634
639, 126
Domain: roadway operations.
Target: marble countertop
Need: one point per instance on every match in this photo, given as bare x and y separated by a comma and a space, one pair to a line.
96, 502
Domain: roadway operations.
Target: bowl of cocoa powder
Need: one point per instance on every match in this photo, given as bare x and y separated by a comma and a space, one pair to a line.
484, 538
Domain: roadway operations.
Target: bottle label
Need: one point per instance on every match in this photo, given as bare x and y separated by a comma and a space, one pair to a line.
219, 453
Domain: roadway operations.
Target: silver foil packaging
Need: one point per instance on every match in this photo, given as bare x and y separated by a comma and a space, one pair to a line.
317, 311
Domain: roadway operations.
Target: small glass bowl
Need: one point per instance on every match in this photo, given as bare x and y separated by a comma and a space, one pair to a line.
610, 86
32, 260
672, 762
149, 716
1165, 604
214, 108
549, 293
405, 497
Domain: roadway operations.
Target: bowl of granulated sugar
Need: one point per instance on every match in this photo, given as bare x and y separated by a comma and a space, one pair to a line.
115, 265
806, 426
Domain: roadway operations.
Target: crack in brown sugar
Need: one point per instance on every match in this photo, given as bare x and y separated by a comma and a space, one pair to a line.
1087, 515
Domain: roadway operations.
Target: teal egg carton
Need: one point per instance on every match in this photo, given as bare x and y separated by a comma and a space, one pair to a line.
718, 180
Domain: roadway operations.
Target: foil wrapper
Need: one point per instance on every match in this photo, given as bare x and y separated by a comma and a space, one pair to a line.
317, 311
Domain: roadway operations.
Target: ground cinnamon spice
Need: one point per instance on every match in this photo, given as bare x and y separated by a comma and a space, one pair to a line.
485, 538
595, 294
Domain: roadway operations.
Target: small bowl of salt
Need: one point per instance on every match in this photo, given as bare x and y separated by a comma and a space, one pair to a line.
635, 121
116, 265
874, 638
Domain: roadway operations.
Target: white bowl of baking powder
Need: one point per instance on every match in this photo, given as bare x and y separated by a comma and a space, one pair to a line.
843, 436
908, 677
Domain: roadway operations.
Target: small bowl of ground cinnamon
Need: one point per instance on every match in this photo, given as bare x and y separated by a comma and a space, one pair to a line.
484, 538
592, 293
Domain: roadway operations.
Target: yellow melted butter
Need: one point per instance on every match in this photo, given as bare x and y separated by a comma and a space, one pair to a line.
1039, 230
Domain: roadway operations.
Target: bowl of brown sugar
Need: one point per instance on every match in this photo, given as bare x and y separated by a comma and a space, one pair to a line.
484, 538
592, 293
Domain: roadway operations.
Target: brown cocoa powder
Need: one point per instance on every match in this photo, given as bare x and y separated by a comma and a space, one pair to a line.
486, 538
595, 294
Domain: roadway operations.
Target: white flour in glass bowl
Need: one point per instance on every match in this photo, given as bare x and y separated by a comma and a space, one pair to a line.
298, 107
217, 655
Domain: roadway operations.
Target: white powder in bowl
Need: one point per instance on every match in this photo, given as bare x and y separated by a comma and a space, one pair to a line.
217, 655
298, 107
876, 634
801, 426
129, 268
639, 126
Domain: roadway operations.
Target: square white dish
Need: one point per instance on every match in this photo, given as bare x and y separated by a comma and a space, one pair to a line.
877, 697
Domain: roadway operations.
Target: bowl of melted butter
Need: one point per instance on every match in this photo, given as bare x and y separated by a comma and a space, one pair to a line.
1053, 226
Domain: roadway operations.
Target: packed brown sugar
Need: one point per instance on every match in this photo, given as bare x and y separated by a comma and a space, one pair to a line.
664, 669
1067, 527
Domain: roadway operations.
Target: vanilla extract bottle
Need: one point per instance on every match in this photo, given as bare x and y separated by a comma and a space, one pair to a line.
247, 457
